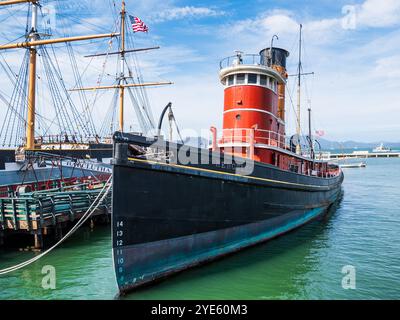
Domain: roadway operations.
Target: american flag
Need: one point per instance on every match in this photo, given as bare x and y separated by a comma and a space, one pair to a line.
320, 133
138, 25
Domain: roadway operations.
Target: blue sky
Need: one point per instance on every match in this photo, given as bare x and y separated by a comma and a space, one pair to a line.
351, 45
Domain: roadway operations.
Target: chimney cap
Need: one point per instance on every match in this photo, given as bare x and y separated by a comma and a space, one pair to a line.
279, 57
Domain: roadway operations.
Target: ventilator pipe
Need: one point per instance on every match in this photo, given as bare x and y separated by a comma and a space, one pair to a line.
160, 122
252, 141
214, 145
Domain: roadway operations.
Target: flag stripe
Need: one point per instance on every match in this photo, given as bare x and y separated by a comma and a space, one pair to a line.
138, 25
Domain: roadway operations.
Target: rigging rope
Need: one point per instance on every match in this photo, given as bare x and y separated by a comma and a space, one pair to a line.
141, 91
16, 107
109, 126
82, 95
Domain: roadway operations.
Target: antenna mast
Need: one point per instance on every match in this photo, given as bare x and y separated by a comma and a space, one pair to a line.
312, 153
298, 131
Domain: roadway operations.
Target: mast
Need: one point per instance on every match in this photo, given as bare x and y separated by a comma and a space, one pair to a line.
298, 112
310, 135
121, 79
122, 75
30, 123
32, 42
298, 131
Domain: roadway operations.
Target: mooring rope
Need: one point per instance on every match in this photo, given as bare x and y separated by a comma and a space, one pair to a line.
82, 220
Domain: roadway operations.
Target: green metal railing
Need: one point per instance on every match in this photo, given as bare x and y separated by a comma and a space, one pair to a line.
36, 210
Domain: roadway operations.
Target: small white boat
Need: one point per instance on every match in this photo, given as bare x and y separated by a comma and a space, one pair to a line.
382, 148
353, 165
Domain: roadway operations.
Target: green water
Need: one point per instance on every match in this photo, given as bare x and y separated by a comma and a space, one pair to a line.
363, 231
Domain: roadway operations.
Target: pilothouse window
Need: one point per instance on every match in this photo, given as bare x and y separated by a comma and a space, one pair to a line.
263, 80
252, 78
273, 85
240, 78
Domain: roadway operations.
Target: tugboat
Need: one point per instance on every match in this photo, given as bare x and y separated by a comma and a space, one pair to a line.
175, 206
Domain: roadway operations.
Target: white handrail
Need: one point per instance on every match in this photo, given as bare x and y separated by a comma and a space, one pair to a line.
242, 135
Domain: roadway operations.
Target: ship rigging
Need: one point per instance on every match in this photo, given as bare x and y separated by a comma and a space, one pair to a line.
24, 97
44, 112
30, 123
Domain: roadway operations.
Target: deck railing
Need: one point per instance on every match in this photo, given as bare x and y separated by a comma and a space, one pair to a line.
36, 210
245, 59
242, 135
70, 139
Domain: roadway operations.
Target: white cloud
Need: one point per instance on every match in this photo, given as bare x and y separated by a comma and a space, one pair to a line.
279, 22
283, 23
388, 67
197, 101
176, 13
369, 14
378, 13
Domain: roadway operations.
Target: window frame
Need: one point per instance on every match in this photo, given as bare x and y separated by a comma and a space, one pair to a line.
244, 78
252, 74
270, 82
232, 76
266, 80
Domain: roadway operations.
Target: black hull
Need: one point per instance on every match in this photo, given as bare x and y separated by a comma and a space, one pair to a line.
167, 218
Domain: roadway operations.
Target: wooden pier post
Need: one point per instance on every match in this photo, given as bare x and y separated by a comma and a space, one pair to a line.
58, 232
38, 240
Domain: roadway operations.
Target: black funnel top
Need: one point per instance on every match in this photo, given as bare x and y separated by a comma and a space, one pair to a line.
278, 57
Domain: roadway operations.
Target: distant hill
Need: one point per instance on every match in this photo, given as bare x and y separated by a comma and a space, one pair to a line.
327, 144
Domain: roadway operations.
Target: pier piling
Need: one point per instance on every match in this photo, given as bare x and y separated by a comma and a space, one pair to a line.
38, 240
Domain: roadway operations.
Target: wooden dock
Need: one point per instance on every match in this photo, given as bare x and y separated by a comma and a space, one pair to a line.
359, 155
43, 213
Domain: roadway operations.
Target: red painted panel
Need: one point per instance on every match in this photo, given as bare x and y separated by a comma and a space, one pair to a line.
250, 97
238, 98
